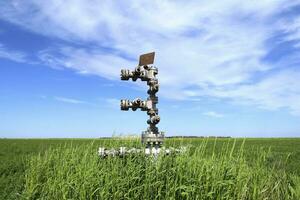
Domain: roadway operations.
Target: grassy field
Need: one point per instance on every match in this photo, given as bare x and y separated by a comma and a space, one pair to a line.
212, 169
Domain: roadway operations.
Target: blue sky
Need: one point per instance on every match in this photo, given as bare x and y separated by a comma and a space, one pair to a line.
227, 68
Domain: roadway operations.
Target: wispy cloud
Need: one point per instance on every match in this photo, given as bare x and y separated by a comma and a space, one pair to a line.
214, 48
85, 61
113, 103
213, 114
291, 27
16, 56
70, 100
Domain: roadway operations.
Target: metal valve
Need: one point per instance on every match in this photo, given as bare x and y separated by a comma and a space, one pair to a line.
125, 104
154, 120
125, 74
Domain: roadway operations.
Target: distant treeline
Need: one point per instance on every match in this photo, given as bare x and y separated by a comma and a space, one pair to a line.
198, 137
177, 137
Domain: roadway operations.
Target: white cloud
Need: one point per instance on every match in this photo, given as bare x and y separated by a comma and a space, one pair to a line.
69, 100
292, 28
213, 114
85, 61
113, 103
279, 90
207, 48
12, 55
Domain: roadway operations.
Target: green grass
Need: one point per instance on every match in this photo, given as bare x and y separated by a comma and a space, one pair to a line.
212, 169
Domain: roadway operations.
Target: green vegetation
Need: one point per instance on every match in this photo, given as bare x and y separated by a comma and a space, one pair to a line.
211, 169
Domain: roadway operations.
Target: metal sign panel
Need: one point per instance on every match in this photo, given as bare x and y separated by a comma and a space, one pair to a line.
147, 59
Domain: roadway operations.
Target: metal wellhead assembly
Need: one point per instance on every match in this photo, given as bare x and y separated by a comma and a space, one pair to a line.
152, 138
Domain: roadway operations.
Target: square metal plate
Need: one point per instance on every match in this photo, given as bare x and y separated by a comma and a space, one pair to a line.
147, 59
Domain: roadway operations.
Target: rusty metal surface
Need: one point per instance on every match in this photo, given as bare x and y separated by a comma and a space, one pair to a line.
146, 59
